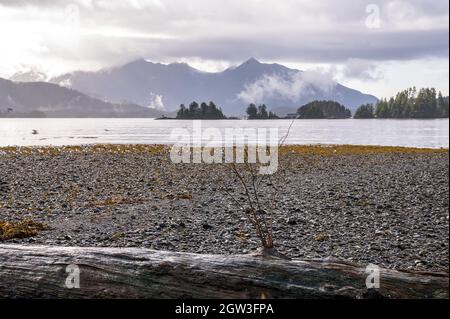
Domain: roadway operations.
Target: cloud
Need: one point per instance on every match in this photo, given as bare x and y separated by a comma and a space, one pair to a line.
156, 102
362, 70
63, 36
292, 87
328, 31
334, 47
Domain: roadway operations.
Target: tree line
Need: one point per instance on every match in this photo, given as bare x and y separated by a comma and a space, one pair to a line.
410, 103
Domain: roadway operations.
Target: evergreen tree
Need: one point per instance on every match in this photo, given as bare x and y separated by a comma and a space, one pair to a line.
382, 109
182, 112
194, 111
364, 112
272, 115
262, 112
442, 106
413, 103
252, 112
204, 110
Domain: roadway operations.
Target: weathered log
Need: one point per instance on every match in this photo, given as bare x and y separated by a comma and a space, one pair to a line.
40, 272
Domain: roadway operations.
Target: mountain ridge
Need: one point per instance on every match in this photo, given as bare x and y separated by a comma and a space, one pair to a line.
51, 100
140, 81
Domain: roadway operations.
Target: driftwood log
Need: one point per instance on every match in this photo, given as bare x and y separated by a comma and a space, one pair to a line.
41, 272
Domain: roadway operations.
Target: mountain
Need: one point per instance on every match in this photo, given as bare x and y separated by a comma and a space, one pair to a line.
233, 89
28, 76
38, 99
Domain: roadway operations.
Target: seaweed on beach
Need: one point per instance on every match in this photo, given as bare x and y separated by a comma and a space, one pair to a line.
334, 150
21, 229
90, 149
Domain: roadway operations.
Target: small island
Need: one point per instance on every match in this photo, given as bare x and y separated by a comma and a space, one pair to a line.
195, 111
323, 110
203, 112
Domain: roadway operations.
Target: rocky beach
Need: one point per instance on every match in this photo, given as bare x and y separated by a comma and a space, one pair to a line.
382, 205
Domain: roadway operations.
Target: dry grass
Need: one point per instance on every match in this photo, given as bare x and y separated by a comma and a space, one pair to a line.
21, 229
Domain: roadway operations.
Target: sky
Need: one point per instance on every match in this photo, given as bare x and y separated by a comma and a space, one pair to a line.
378, 47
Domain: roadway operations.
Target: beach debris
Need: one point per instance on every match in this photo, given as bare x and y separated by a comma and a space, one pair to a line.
321, 237
21, 229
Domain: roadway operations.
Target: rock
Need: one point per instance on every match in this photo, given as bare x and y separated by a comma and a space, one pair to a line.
291, 221
207, 226
162, 225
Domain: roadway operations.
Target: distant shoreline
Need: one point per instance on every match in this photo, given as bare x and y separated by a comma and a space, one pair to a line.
311, 149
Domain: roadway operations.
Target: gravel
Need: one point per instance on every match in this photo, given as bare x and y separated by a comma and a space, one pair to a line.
389, 209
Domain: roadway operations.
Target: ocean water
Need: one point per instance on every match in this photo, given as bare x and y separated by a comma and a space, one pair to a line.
57, 132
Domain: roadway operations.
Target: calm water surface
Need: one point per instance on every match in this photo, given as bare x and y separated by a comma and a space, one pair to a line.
414, 133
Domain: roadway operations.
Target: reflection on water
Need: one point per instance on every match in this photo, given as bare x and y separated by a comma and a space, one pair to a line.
415, 133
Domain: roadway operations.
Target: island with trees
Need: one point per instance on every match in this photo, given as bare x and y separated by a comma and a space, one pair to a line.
411, 103
200, 112
323, 110
260, 113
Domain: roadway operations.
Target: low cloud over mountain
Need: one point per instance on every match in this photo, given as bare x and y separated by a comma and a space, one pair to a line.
167, 86
38, 99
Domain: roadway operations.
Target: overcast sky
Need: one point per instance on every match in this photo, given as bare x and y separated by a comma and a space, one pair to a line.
378, 47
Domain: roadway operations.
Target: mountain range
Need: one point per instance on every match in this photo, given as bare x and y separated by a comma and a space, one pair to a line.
146, 89
40, 99
166, 86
